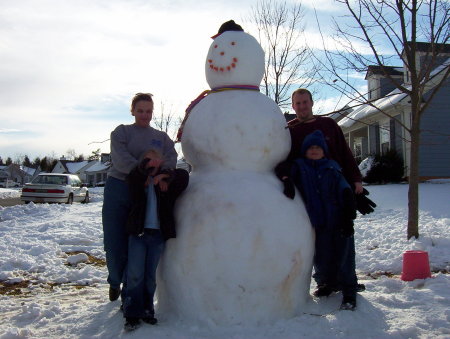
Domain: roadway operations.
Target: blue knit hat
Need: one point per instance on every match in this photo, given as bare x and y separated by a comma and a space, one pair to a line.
316, 138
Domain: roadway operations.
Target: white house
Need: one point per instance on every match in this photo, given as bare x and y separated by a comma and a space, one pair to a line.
370, 131
17, 174
68, 166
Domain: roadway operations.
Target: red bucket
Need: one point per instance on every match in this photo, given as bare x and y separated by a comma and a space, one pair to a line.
415, 265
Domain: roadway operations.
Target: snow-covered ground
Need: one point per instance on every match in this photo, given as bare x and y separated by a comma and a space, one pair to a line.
64, 293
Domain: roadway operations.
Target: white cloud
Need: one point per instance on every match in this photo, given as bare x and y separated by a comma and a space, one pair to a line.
69, 68
65, 64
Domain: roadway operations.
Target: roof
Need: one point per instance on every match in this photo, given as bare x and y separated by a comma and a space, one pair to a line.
72, 166
377, 69
28, 170
99, 167
55, 174
425, 47
384, 103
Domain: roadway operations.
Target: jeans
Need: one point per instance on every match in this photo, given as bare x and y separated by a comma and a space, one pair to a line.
116, 207
144, 252
334, 261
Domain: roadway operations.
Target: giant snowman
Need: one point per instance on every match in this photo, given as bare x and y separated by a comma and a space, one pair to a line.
243, 252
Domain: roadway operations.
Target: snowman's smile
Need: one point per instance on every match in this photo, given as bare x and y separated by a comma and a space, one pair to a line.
225, 68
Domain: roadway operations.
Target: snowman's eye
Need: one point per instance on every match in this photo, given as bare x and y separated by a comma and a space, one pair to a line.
215, 46
233, 43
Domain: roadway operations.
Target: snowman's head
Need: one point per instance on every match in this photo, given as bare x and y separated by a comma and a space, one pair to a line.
234, 58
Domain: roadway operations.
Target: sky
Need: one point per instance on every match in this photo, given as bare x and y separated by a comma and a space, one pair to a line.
68, 69
45, 251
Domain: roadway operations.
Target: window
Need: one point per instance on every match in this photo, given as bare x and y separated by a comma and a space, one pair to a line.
385, 136
357, 150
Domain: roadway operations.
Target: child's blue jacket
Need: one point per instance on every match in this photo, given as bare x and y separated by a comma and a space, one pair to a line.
322, 186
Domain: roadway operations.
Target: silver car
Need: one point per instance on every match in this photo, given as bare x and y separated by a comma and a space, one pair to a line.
55, 187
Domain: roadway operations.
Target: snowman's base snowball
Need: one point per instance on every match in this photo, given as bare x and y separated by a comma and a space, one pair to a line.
243, 252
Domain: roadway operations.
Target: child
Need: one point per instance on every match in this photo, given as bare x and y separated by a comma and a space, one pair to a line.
331, 208
150, 222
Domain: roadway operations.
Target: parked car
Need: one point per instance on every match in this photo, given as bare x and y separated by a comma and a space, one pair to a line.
55, 187
9, 183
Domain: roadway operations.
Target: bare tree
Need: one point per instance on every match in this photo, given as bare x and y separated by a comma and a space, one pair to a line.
166, 120
71, 154
386, 30
288, 60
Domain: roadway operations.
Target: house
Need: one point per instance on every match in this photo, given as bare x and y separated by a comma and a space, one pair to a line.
96, 174
369, 131
72, 167
14, 173
92, 172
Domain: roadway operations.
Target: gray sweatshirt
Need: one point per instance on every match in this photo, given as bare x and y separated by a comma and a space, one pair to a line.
128, 144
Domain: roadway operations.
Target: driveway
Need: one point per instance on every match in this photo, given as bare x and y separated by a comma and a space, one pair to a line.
10, 202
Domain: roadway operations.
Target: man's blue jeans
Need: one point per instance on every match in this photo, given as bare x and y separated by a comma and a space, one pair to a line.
116, 207
144, 252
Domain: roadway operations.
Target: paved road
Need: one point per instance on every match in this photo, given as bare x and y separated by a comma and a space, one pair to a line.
10, 202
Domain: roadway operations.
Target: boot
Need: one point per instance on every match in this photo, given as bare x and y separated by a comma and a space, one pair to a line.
348, 303
131, 324
324, 291
114, 293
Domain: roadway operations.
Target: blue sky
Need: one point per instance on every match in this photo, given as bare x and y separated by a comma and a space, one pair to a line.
68, 69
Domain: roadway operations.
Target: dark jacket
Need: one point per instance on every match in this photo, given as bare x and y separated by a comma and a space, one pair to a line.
178, 182
327, 195
338, 147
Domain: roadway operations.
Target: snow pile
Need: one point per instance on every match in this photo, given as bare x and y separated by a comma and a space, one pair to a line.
7, 193
365, 166
36, 242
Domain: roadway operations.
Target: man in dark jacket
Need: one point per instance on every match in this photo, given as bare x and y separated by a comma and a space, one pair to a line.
305, 123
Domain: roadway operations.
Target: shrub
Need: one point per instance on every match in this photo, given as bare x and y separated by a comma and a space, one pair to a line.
385, 168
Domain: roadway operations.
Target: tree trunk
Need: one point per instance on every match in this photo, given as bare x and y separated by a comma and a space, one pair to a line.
413, 191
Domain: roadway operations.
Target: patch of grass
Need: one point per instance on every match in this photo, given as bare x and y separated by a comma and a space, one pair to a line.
23, 288
14, 288
376, 275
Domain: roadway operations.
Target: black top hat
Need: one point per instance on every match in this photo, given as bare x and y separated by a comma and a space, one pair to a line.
228, 26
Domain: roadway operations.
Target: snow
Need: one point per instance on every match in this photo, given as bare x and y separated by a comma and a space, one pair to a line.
366, 165
6, 193
35, 240
98, 166
74, 167
234, 58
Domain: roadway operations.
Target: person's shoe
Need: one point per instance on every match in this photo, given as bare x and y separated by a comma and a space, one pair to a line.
114, 293
360, 288
131, 324
150, 320
324, 291
348, 303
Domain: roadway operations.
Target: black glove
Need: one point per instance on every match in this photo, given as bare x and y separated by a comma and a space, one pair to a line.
347, 229
283, 169
289, 188
363, 204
